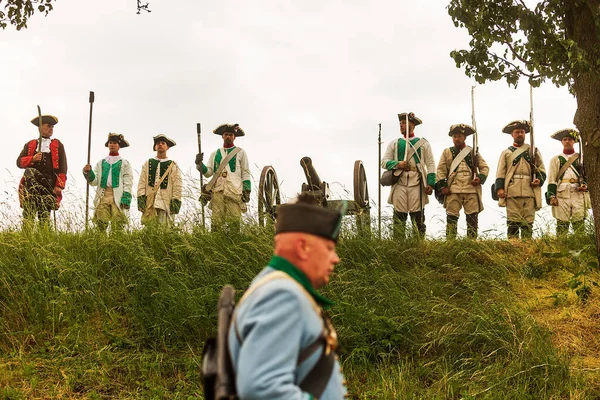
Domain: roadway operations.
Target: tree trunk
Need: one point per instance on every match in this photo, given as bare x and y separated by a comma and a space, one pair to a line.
587, 118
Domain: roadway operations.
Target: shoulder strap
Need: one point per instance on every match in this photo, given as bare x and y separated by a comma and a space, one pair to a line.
458, 159
222, 166
566, 166
412, 150
517, 153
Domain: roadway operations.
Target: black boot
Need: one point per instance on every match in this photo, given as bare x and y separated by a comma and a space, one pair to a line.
562, 228
399, 225
578, 227
472, 225
512, 229
526, 230
418, 220
451, 226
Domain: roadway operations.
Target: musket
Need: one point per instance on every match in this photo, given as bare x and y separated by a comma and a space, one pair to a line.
379, 186
581, 168
475, 138
39, 149
532, 145
225, 382
406, 137
87, 183
198, 133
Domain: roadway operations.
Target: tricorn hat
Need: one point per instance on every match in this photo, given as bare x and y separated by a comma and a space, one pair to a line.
306, 217
461, 128
573, 133
411, 117
518, 124
231, 128
163, 138
46, 119
117, 137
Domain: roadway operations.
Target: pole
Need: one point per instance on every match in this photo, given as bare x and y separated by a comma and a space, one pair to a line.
39, 129
475, 135
379, 186
532, 145
198, 132
87, 183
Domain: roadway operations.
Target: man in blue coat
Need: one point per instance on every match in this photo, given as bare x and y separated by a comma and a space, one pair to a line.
281, 342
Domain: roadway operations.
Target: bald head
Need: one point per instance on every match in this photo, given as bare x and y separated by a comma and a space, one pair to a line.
313, 255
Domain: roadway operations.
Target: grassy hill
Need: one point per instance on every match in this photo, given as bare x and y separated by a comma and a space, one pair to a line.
125, 316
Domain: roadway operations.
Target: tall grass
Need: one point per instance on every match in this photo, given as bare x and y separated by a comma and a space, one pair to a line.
89, 315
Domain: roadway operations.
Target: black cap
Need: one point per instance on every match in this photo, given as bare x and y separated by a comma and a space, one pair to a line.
309, 218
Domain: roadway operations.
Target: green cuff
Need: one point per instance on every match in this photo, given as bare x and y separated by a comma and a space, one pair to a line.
431, 179
204, 169
91, 176
552, 189
141, 200
499, 184
247, 186
391, 165
442, 183
126, 198
482, 178
175, 206
541, 176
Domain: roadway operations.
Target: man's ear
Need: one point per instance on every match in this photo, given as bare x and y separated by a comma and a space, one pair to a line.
302, 247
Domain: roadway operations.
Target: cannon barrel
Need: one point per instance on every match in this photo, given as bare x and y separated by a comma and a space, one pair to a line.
312, 178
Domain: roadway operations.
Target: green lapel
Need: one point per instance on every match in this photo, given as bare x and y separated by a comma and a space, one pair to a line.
219, 157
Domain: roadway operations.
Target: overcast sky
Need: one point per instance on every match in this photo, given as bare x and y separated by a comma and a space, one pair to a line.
302, 78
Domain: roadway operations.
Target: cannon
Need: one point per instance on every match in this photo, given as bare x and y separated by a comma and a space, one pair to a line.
269, 195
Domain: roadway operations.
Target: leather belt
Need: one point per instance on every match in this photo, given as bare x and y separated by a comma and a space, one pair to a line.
570, 180
521, 177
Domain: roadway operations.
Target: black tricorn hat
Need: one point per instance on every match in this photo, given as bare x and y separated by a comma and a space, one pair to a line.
46, 119
573, 133
461, 128
518, 124
231, 128
309, 218
117, 137
163, 138
411, 117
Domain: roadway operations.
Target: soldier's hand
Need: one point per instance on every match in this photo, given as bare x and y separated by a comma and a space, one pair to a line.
246, 196
199, 158
476, 181
501, 194
535, 182
125, 206
87, 168
37, 156
445, 191
57, 190
428, 190
402, 165
582, 188
553, 201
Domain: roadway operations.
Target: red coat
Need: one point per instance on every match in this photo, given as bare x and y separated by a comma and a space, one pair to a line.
59, 164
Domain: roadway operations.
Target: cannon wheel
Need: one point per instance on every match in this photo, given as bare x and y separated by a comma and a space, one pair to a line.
361, 197
268, 195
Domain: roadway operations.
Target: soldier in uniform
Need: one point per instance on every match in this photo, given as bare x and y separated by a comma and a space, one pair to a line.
281, 342
567, 188
518, 181
45, 176
160, 186
230, 186
460, 183
113, 178
416, 176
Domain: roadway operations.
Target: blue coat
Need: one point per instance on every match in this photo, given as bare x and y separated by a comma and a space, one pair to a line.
276, 323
